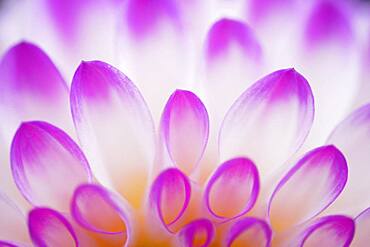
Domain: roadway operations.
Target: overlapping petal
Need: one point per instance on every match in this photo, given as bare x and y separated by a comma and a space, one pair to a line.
120, 145
362, 236
42, 157
308, 188
273, 116
199, 232
236, 183
47, 227
185, 128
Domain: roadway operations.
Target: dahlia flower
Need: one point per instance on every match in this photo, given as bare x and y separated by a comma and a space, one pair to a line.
184, 123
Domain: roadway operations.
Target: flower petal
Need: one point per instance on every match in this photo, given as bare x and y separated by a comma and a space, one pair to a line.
185, 129
352, 137
362, 236
273, 116
32, 88
114, 126
13, 222
331, 231
170, 196
235, 183
253, 231
309, 187
49, 228
328, 22
197, 233
101, 211
42, 157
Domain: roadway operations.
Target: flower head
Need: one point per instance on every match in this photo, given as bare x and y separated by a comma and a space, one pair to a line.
196, 132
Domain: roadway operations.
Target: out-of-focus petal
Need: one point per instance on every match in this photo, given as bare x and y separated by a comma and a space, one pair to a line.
13, 223
42, 158
101, 211
352, 136
328, 22
273, 116
185, 129
170, 196
331, 231
308, 188
233, 60
197, 233
114, 127
251, 231
32, 88
234, 183
362, 233
47, 227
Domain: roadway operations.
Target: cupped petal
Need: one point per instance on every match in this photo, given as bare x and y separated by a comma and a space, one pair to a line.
185, 129
13, 223
331, 231
47, 227
362, 233
352, 136
236, 183
273, 116
32, 88
199, 232
42, 157
249, 232
308, 188
99, 210
170, 196
114, 126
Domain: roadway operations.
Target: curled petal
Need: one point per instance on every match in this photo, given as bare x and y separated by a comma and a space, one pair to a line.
42, 157
235, 183
185, 129
49, 228
253, 231
273, 116
226, 33
13, 222
308, 188
328, 22
170, 196
362, 233
99, 210
120, 145
352, 136
331, 231
197, 233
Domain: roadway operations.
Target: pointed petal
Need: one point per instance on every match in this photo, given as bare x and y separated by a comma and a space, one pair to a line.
185, 128
362, 233
49, 228
309, 187
42, 157
169, 196
32, 88
13, 222
253, 231
101, 211
197, 233
273, 116
352, 137
235, 183
114, 126
331, 231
